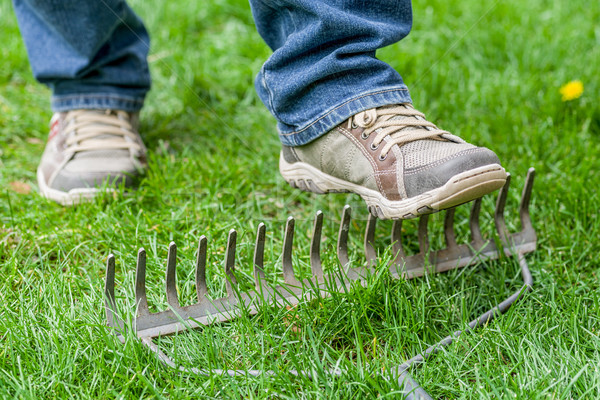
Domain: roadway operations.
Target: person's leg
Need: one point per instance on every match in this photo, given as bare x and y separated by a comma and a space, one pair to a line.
345, 118
92, 55
323, 68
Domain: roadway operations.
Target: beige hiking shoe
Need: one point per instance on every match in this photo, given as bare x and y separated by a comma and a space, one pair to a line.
401, 164
89, 151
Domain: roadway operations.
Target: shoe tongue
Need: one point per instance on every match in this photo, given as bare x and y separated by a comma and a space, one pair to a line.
428, 147
446, 136
102, 153
409, 145
408, 128
427, 151
408, 118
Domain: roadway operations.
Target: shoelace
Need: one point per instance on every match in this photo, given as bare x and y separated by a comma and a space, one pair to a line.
384, 122
93, 130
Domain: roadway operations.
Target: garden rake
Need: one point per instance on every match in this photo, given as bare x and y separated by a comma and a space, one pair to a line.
176, 318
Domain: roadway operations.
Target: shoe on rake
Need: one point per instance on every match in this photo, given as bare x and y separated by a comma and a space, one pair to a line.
149, 325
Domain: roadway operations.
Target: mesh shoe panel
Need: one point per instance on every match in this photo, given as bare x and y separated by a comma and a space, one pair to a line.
424, 152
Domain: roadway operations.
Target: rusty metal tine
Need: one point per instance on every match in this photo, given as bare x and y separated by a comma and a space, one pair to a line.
449, 228
315, 247
201, 288
526, 199
370, 252
259, 255
171, 276
141, 301
109, 291
397, 248
499, 212
230, 262
288, 240
423, 237
342, 243
476, 237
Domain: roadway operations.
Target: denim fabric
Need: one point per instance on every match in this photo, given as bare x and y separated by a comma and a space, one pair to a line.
323, 69
92, 54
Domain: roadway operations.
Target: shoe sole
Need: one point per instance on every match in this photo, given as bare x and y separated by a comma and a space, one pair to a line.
70, 198
461, 188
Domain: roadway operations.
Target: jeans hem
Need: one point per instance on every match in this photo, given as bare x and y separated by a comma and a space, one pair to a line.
340, 113
61, 103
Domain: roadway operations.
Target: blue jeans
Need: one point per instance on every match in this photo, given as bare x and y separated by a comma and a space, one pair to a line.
92, 54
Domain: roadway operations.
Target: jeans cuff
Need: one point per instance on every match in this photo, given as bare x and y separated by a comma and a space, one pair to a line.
61, 103
341, 113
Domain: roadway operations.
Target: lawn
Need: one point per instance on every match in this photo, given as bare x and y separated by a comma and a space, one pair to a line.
488, 71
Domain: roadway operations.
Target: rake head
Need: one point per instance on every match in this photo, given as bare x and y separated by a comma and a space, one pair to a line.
148, 325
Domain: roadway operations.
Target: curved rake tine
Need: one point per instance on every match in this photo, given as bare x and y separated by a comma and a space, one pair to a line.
205, 313
342, 243
423, 238
109, 291
499, 212
259, 255
315, 248
397, 248
201, 288
526, 199
171, 278
449, 233
370, 252
141, 300
288, 239
230, 280
476, 237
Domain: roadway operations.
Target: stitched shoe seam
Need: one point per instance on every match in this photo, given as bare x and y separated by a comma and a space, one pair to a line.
474, 175
349, 163
365, 153
390, 191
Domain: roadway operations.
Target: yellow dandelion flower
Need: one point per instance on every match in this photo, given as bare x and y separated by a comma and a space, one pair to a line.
571, 90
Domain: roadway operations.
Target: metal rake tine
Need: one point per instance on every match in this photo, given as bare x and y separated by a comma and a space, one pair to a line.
342, 243
370, 252
109, 291
141, 301
171, 276
499, 212
397, 248
423, 238
201, 288
288, 239
230, 262
259, 255
315, 247
449, 233
476, 237
526, 199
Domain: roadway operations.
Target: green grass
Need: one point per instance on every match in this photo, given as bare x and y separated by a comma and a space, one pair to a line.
490, 72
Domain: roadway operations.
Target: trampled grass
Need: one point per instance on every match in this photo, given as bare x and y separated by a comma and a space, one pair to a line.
490, 72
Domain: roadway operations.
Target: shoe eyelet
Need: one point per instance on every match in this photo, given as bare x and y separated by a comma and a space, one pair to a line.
363, 136
354, 126
373, 147
382, 158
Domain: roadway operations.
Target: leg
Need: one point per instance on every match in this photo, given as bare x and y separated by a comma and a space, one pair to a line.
323, 69
345, 118
92, 55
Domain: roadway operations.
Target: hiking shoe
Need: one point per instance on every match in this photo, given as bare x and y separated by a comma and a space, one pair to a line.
401, 164
90, 151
